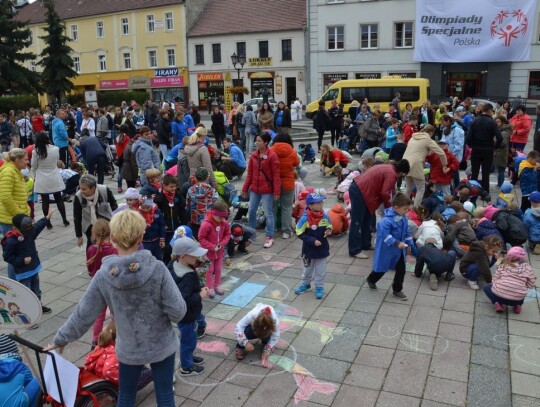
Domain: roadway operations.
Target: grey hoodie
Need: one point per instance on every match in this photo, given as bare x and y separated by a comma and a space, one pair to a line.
144, 302
198, 156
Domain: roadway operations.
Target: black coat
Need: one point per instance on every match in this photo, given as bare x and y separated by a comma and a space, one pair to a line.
190, 288
15, 250
484, 134
163, 129
173, 215
286, 120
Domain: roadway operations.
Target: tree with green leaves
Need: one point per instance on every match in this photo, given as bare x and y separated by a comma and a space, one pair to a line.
56, 57
15, 36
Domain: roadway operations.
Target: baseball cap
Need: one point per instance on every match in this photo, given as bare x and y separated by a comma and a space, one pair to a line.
187, 246
314, 198
460, 109
180, 232
23, 223
468, 206
506, 188
535, 197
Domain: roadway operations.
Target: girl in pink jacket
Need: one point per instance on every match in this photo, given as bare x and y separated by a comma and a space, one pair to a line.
511, 282
214, 235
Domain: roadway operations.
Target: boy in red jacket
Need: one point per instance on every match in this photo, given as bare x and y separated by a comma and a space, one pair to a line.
442, 180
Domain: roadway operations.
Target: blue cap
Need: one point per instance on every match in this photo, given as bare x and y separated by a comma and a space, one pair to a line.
535, 197
506, 188
313, 198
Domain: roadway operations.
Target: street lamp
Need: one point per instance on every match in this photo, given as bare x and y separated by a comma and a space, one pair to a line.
238, 60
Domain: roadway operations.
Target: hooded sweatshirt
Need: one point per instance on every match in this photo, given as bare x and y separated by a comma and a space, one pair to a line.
531, 220
429, 229
198, 156
143, 298
14, 377
338, 218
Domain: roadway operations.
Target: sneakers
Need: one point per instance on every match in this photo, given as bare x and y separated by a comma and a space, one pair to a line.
286, 235
373, 286
201, 332
517, 309
401, 295
197, 360
240, 354
268, 242
449, 276
45, 310
319, 292
433, 282
302, 288
361, 255
192, 371
473, 285
219, 290
120, 190
211, 293
499, 307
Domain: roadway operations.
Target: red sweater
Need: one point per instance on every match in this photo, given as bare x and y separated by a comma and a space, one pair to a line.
106, 249
263, 173
407, 130
436, 173
376, 185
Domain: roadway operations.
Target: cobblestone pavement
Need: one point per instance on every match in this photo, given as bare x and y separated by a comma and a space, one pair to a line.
355, 347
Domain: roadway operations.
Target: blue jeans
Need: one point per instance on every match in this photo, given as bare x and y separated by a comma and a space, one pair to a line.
33, 284
495, 298
188, 343
162, 372
472, 273
4, 228
201, 321
359, 232
268, 207
242, 131
500, 175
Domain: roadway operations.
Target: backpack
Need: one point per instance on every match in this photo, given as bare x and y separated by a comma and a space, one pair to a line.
226, 190
183, 171
511, 228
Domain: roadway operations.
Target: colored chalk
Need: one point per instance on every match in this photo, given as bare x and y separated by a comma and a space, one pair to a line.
243, 295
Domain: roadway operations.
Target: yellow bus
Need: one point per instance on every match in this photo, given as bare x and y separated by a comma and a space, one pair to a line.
377, 91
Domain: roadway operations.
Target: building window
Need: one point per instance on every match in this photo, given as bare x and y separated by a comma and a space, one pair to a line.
286, 50
126, 57
33, 66
152, 58
102, 63
216, 53
199, 54
74, 33
77, 64
263, 49
100, 29
241, 49
334, 1
403, 35
125, 26
169, 22
336, 38
150, 23
31, 38
369, 36
534, 85
171, 57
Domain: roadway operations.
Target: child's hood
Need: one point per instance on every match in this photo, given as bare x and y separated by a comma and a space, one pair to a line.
179, 269
390, 213
128, 272
337, 208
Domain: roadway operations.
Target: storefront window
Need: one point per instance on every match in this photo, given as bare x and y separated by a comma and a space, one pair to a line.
534, 85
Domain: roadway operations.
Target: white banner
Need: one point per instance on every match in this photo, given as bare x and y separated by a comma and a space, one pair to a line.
474, 30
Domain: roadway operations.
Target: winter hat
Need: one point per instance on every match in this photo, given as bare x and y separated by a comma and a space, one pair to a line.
506, 188
23, 223
201, 174
237, 231
132, 193
490, 212
314, 198
468, 206
535, 197
516, 253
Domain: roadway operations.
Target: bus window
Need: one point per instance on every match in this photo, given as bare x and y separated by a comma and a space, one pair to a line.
331, 94
380, 94
408, 93
350, 94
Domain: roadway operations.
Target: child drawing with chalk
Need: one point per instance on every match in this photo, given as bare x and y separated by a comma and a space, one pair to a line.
392, 244
313, 228
259, 323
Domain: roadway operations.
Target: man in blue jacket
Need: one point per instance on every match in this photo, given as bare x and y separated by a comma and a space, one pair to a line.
60, 135
235, 163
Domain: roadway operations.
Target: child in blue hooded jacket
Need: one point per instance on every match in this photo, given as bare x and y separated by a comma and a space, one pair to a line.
392, 244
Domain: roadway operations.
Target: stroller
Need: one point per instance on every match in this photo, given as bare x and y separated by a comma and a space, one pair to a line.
92, 391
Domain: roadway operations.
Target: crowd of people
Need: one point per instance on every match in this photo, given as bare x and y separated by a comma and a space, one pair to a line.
155, 257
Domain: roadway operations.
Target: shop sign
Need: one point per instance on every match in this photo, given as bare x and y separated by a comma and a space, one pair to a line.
158, 24
261, 74
403, 74
139, 82
166, 72
368, 75
168, 81
90, 96
114, 84
202, 77
260, 61
330, 78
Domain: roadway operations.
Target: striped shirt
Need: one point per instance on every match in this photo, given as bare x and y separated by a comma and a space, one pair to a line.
8, 348
512, 281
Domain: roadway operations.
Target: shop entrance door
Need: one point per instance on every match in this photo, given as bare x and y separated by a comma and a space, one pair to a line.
291, 89
464, 84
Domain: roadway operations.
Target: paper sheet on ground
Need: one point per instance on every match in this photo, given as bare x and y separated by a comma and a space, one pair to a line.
69, 378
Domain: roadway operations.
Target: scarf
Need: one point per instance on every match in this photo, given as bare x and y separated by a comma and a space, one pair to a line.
148, 216
314, 217
92, 202
168, 195
156, 185
524, 164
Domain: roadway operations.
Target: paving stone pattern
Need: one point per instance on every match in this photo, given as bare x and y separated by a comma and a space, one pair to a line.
355, 347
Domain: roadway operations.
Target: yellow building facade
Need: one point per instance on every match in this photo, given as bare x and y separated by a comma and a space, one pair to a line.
128, 49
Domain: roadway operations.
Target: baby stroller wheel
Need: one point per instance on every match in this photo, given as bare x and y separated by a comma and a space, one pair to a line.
105, 393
